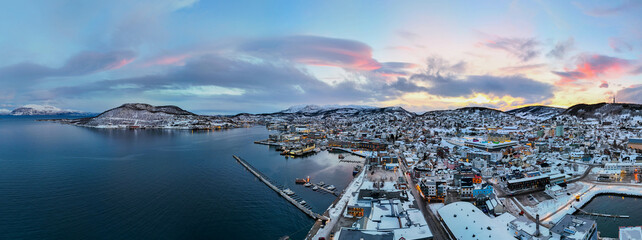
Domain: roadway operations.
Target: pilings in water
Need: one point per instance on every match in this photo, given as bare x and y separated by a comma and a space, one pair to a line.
263, 179
350, 161
601, 214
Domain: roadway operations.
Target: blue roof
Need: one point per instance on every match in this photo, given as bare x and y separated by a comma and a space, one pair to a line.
635, 140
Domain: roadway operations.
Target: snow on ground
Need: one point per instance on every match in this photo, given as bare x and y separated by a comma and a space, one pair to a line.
547, 208
336, 211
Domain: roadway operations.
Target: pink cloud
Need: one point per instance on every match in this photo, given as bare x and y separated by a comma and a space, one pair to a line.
120, 63
593, 67
176, 60
315, 50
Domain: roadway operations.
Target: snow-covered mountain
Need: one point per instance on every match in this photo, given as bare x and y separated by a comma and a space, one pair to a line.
317, 108
603, 110
329, 111
142, 115
33, 109
538, 113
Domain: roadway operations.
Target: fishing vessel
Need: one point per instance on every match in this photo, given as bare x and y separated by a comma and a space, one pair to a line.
307, 184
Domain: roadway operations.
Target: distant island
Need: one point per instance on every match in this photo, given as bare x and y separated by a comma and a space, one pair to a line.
144, 116
40, 110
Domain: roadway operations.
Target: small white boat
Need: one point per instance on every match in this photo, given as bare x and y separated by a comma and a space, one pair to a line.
315, 188
321, 183
331, 187
307, 184
288, 191
302, 202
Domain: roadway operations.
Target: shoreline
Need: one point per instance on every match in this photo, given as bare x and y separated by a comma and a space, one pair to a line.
335, 210
594, 190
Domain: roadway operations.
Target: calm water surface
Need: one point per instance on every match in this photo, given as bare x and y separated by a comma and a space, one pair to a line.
614, 204
61, 182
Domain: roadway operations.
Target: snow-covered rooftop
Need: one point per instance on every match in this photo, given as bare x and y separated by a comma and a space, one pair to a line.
466, 221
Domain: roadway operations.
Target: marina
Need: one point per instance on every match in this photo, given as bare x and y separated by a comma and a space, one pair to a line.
601, 214
286, 193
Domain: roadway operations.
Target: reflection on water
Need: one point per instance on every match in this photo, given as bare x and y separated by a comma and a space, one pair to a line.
614, 204
61, 181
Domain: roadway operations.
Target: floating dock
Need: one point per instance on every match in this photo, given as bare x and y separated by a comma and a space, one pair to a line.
601, 214
264, 179
325, 189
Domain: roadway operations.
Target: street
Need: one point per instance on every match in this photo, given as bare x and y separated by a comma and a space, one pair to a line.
436, 228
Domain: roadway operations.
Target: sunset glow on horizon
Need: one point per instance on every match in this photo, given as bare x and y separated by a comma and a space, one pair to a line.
217, 57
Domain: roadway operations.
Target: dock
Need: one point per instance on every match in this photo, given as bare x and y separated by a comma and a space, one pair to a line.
601, 214
264, 179
350, 161
267, 142
325, 189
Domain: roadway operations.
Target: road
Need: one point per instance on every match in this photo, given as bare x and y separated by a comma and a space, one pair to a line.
434, 224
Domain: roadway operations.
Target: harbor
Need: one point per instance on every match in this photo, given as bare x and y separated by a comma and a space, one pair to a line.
285, 193
600, 214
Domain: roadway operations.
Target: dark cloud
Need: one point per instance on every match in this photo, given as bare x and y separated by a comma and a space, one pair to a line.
524, 49
315, 50
516, 86
631, 94
523, 67
449, 85
571, 75
78, 65
604, 85
405, 85
618, 45
395, 69
260, 82
561, 49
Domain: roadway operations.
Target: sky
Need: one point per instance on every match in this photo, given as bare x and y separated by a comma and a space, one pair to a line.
225, 57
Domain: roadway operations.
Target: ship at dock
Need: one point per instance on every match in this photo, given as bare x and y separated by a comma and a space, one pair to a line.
300, 150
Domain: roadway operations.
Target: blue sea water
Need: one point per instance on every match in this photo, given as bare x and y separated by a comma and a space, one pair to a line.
614, 204
66, 182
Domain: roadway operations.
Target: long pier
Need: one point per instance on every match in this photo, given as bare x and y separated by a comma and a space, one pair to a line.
266, 142
350, 161
278, 190
601, 214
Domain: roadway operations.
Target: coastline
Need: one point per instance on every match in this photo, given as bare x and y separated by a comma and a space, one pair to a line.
585, 197
335, 210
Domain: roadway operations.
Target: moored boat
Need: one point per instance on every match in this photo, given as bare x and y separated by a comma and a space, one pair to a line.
288, 191
331, 187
